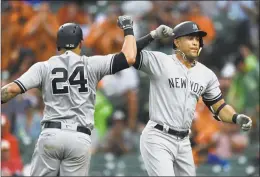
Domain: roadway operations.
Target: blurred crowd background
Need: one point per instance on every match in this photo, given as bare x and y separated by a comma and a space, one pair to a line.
231, 50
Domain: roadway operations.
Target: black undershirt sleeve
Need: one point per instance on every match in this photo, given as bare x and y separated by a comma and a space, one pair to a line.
140, 44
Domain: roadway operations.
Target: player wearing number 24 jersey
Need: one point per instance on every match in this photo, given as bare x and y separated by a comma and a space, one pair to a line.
68, 84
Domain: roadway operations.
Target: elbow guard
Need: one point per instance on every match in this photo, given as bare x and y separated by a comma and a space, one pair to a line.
119, 63
216, 114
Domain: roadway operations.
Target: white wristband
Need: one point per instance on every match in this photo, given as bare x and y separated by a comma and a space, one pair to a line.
153, 34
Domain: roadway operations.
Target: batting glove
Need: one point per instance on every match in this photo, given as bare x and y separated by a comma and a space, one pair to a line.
125, 22
244, 122
162, 31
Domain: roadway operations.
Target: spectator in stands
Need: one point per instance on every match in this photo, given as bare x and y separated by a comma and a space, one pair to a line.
148, 23
103, 111
235, 23
14, 16
29, 124
229, 141
21, 60
204, 22
11, 139
253, 14
209, 8
72, 12
224, 43
165, 16
122, 91
236, 11
214, 142
245, 83
182, 12
106, 37
21, 107
117, 140
9, 47
39, 33
7, 109
204, 128
226, 76
21, 12
9, 165
250, 68
144, 7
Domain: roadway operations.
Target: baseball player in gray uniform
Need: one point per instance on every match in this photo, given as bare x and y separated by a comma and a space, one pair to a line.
68, 85
176, 83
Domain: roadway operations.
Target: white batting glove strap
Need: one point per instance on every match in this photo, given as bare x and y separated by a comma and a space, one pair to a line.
153, 34
244, 122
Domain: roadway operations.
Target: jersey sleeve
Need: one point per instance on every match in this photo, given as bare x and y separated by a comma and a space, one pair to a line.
148, 62
101, 65
32, 78
212, 93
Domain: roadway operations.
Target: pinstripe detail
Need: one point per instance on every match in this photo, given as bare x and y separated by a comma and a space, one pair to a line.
141, 60
215, 98
153, 55
111, 63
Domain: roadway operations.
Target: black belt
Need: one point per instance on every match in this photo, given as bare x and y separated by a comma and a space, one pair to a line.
181, 134
58, 125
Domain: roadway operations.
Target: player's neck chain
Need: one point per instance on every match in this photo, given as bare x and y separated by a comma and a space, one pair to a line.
194, 62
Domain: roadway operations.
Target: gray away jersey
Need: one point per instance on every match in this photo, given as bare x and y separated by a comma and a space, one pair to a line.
68, 84
175, 89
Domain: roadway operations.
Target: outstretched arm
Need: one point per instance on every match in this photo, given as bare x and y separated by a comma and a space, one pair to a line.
131, 50
32, 78
113, 63
162, 31
9, 91
227, 114
212, 97
143, 42
129, 46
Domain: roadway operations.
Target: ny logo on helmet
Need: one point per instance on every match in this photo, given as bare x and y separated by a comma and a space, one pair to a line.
194, 26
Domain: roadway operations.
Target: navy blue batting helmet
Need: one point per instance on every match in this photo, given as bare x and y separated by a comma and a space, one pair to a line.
69, 36
188, 28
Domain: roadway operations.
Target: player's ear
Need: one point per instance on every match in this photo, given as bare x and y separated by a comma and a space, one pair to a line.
176, 42
80, 45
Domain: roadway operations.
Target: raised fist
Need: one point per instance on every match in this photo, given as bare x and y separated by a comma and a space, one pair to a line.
125, 22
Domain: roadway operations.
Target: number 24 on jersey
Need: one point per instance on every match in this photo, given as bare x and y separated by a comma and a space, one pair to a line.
82, 82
